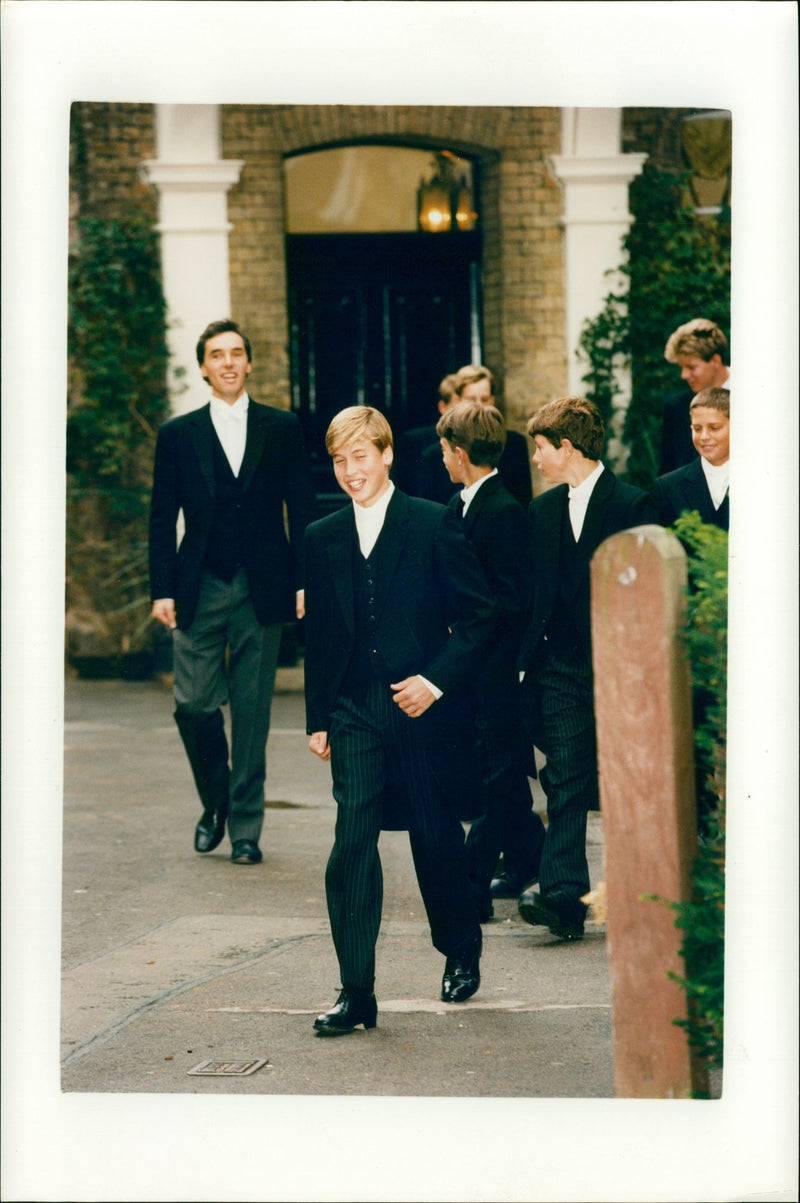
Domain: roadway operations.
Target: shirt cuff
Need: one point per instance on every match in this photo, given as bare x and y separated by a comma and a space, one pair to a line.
437, 693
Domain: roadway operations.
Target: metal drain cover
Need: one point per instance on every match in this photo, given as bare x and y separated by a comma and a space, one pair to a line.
228, 1069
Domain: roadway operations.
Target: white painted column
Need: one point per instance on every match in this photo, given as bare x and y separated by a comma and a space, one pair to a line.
192, 183
595, 179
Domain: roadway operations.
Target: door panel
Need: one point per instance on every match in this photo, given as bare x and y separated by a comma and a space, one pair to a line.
377, 319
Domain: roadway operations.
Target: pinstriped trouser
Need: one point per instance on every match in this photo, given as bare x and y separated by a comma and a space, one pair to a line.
375, 745
566, 735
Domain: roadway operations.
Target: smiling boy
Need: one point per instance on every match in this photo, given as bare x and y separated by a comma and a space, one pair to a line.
397, 610
703, 484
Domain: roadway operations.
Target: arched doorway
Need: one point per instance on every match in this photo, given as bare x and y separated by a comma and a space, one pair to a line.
380, 309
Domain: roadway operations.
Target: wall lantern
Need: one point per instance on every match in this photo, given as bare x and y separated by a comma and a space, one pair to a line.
444, 202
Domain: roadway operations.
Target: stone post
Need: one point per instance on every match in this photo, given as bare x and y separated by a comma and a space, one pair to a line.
647, 797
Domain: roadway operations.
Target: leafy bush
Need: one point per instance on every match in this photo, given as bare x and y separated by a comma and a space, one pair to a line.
117, 398
702, 917
676, 267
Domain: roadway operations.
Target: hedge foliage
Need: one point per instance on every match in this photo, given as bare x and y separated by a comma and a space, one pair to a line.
676, 267
118, 396
702, 917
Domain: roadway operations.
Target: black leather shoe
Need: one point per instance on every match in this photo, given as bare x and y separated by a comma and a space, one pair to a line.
462, 971
246, 852
209, 832
509, 883
557, 910
353, 1007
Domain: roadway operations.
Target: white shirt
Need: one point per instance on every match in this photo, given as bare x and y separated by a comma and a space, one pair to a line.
716, 479
370, 519
369, 524
469, 491
579, 498
230, 423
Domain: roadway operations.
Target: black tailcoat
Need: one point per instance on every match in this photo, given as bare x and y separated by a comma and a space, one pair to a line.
434, 615
274, 472
686, 489
613, 507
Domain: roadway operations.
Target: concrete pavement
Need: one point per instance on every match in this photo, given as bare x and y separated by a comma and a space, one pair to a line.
171, 959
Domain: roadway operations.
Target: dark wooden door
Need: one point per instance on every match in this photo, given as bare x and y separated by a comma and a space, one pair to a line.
378, 319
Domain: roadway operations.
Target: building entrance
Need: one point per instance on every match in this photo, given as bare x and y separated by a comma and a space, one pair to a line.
378, 319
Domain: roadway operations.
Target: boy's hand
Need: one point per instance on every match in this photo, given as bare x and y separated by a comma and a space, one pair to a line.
413, 696
318, 744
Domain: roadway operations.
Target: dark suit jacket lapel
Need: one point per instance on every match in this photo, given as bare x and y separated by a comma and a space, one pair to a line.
257, 422
339, 549
694, 488
202, 434
594, 520
391, 542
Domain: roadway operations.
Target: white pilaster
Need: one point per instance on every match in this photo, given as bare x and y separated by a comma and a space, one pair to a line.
595, 179
192, 183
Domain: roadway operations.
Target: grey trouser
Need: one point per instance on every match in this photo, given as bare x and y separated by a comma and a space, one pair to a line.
204, 682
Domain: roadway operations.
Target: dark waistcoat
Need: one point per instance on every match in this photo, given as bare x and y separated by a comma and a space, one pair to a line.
224, 551
366, 664
565, 633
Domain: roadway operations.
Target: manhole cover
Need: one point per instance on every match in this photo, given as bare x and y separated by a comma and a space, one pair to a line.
228, 1069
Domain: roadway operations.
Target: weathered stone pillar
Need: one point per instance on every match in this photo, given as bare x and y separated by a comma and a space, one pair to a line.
646, 763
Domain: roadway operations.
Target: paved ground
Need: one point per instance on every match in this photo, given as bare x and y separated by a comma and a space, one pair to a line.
171, 959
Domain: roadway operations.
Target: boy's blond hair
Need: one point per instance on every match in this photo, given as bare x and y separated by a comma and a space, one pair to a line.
358, 422
477, 428
700, 337
471, 373
712, 398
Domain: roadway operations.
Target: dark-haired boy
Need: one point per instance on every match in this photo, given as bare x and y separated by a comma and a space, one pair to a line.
568, 523
472, 436
226, 592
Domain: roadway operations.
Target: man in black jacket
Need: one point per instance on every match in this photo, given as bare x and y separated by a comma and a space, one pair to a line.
472, 439
226, 592
397, 614
568, 523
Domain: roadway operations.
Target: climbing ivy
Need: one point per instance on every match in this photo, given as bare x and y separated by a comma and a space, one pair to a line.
676, 267
701, 917
117, 397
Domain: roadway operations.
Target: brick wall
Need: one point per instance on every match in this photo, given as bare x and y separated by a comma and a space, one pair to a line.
520, 211
107, 144
657, 133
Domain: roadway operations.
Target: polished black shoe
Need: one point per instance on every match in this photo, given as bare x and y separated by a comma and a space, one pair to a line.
209, 832
557, 910
509, 883
246, 852
462, 971
353, 1007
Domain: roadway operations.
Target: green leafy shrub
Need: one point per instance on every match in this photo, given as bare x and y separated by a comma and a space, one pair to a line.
118, 395
701, 918
676, 267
